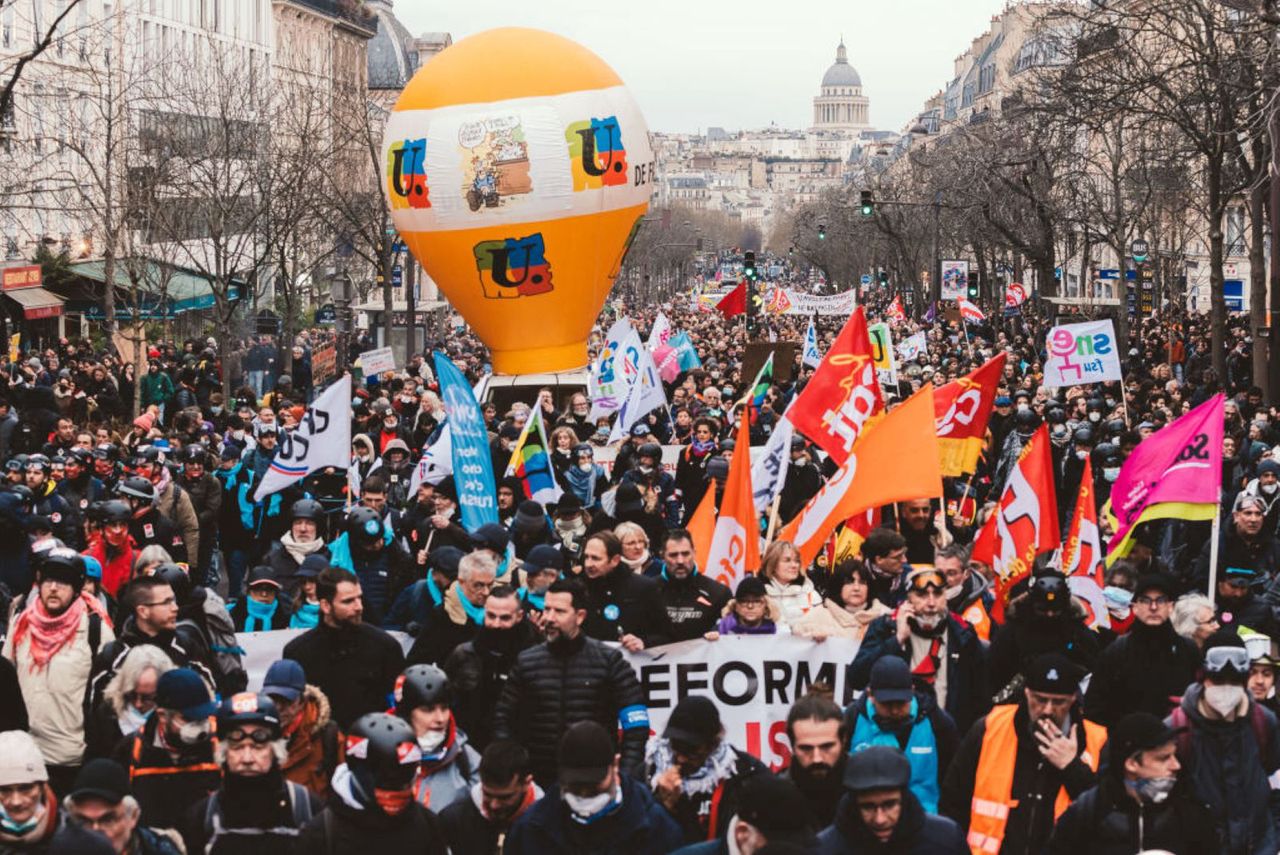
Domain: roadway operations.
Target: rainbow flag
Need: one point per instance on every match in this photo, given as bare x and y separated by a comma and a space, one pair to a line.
531, 463
760, 388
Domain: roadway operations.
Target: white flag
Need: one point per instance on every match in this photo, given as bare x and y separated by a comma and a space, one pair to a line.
812, 356
769, 471
645, 396
614, 371
660, 333
913, 346
435, 465
322, 438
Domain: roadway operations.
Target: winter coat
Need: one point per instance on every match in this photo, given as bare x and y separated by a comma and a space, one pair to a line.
165, 788
437, 784
477, 672
968, 693
315, 746
185, 646
157, 388
239, 611
695, 813
1106, 820
1227, 770
469, 831
1146, 670
621, 603
917, 833
448, 626
343, 830
383, 573
795, 600
555, 685
640, 826
155, 529
693, 604
1026, 635
355, 667
250, 816
835, 621
1262, 554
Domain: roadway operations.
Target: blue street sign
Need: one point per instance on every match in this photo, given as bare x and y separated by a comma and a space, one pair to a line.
866, 279
1109, 273
397, 276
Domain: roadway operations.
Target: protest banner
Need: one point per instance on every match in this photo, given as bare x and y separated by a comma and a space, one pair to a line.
787, 301
322, 438
472, 463
324, 364
614, 370
376, 361
1082, 353
882, 354
955, 279
753, 679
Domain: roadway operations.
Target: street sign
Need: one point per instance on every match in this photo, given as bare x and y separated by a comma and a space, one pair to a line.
1109, 273
327, 315
866, 279
1138, 249
397, 276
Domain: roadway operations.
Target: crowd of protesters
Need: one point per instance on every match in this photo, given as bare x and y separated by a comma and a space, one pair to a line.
504, 715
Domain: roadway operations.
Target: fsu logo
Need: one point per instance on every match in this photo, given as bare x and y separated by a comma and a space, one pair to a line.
407, 174
514, 267
597, 156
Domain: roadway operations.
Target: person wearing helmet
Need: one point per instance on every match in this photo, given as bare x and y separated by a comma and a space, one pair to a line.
47, 502
1025, 423
205, 494
646, 472
449, 766
256, 808
368, 548
173, 503
147, 525
1043, 619
372, 808
307, 525
79, 487
105, 467
55, 634
112, 545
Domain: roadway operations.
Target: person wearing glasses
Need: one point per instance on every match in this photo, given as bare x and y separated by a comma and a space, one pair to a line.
1230, 748
256, 809
946, 657
1148, 668
101, 801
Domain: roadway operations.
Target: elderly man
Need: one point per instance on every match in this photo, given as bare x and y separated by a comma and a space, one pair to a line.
1244, 544
1021, 765
460, 616
29, 816
100, 800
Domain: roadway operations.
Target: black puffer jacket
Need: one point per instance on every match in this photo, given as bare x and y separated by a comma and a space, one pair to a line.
342, 830
555, 685
622, 602
1107, 821
1141, 671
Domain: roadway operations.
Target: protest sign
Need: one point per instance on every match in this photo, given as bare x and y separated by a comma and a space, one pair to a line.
472, 463
324, 364
376, 361
322, 438
613, 372
787, 301
882, 354
955, 279
1082, 353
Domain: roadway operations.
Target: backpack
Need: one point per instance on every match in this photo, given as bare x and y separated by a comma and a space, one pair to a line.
1257, 723
299, 804
215, 625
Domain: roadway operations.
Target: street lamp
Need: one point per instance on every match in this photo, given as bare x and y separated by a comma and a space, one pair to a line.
340, 290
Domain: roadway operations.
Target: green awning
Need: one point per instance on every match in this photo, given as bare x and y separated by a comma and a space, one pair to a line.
170, 290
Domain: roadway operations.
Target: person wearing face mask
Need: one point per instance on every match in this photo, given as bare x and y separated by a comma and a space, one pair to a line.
891, 714
1019, 766
392, 430
363, 461
691, 468
1045, 618
570, 522
595, 808
1267, 486
1025, 423
1141, 800
128, 700
29, 814
449, 766
946, 657
372, 809
170, 760
1230, 748
263, 607
647, 473
1143, 669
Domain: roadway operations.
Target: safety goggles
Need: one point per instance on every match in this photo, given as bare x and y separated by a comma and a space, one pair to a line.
925, 581
259, 737
1219, 659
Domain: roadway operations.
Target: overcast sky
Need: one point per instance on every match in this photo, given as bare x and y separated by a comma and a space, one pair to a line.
742, 63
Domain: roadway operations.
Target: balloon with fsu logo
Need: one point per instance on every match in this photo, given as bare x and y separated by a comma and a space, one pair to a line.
518, 167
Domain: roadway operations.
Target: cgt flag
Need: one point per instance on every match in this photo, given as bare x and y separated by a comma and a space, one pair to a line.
1176, 472
963, 410
1082, 552
735, 546
837, 403
322, 438
893, 462
1025, 522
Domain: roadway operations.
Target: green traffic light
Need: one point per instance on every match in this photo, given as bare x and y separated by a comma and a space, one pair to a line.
867, 210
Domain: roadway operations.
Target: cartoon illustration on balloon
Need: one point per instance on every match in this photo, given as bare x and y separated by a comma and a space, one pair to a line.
518, 186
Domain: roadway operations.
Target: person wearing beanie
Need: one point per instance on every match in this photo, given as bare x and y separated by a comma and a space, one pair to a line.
530, 527
1044, 619
880, 813
1267, 487
1145, 667
1230, 748
441, 529
29, 814
56, 631
750, 612
1019, 766
100, 799
1142, 799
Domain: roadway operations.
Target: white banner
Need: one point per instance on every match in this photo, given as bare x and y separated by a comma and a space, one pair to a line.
955, 279
769, 467
613, 372
322, 438
803, 303
812, 355
913, 346
374, 362
753, 679
645, 395
1082, 353
660, 333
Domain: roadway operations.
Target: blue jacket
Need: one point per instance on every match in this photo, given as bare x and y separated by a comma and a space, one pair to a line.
641, 826
921, 748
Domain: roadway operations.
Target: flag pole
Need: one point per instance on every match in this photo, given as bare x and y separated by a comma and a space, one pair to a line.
773, 520
1213, 551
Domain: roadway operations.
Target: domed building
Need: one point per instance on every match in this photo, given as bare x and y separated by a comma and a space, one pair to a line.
395, 53
840, 105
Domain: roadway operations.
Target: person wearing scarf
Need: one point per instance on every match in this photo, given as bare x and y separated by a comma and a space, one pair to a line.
28, 807
261, 608
306, 604
51, 644
585, 478
691, 470
301, 541
449, 766
695, 773
459, 617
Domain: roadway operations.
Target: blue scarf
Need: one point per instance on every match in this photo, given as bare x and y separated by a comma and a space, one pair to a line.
307, 616
583, 484
436, 597
259, 614
476, 613
538, 601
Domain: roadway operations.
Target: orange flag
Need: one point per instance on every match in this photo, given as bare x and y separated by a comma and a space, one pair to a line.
894, 461
1082, 558
962, 409
702, 525
735, 545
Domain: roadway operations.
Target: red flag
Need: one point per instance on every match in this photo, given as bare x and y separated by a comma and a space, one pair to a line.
843, 395
734, 303
970, 312
1082, 559
895, 312
963, 409
1025, 522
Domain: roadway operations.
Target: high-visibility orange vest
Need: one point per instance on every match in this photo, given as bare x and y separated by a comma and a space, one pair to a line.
993, 785
977, 617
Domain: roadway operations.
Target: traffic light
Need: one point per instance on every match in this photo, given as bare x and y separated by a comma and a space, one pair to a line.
749, 266
822, 232
975, 284
884, 279
868, 203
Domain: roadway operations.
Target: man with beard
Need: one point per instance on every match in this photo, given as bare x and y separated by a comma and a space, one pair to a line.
479, 820
54, 635
968, 591
947, 660
479, 668
448, 765
891, 714
313, 742
256, 810
353, 663
372, 808
1021, 765
817, 734
923, 537
170, 760
1239, 603
1145, 667
693, 600
303, 539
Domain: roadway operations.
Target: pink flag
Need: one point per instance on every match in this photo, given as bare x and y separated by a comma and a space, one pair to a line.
668, 361
1175, 472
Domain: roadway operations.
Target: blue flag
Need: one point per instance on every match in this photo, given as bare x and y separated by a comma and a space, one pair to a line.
686, 353
472, 465
812, 356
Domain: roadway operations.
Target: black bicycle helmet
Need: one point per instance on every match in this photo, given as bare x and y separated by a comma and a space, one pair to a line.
115, 511
175, 577
382, 754
137, 487
248, 708
651, 450
364, 523
306, 509
63, 565
420, 686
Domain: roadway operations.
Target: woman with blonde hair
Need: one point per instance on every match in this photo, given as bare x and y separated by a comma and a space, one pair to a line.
635, 547
789, 589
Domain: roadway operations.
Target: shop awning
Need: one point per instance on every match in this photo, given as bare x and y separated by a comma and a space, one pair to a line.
167, 290
36, 302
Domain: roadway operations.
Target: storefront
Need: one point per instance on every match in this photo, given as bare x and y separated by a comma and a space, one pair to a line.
29, 308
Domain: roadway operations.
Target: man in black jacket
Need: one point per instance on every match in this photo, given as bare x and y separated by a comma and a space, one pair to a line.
1148, 668
460, 614
693, 600
1140, 803
478, 821
568, 679
621, 606
354, 664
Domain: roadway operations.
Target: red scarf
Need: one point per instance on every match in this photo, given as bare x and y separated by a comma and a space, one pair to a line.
49, 634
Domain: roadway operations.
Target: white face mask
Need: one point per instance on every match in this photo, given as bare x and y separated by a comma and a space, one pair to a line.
1269, 488
585, 809
1095, 416
586, 465
954, 591
237, 434
431, 740
194, 732
1111, 473
1223, 699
